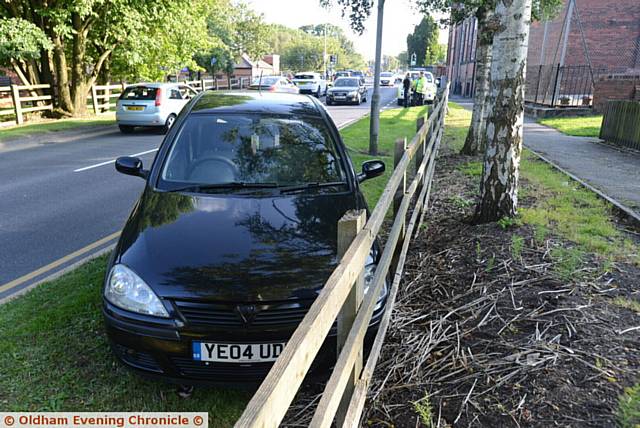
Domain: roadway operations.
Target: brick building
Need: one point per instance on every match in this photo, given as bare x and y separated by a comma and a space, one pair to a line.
587, 39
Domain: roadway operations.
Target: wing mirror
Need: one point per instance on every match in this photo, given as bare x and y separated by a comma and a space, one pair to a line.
131, 166
371, 169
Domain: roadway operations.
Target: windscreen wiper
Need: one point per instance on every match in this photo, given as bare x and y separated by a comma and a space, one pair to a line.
314, 185
203, 187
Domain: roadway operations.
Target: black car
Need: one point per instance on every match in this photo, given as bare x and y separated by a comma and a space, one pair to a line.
347, 90
232, 238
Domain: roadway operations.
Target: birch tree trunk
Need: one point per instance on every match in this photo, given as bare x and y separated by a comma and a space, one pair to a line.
499, 186
484, 39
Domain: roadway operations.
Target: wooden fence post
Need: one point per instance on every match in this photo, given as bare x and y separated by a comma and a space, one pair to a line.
202, 85
94, 98
17, 106
349, 226
400, 148
107, 98
215, 83
419, 123
228, 82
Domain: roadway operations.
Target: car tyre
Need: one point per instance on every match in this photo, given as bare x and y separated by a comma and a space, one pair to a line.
169, 123
126, 129
329, 102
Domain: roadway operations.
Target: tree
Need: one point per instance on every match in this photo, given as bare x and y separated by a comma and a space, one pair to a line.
499, 185
403, 59
424, 41
21, 43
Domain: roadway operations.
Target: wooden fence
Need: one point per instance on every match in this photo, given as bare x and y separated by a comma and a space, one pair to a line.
342, 297
621, 123
29, 98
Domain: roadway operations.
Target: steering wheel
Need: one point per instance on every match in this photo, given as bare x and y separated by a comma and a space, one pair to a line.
208, 170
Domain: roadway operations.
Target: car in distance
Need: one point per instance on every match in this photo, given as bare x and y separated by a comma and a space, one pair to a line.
347, 90
151, 104
387, 78
232, 238
274, 84
311, 83
359, 74
341, 73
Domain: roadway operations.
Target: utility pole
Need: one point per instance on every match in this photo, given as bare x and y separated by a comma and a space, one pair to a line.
374, 124
324, 56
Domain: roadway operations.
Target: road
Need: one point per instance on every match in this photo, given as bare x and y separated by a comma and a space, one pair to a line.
60, 198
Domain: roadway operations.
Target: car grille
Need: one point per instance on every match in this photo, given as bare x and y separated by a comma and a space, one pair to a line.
225, 315
221, 371
339, 94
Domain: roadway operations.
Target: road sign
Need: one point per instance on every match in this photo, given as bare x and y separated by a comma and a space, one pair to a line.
333, 59
214, 60
413, 59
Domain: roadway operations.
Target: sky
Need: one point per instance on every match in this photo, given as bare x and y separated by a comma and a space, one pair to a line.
399, 20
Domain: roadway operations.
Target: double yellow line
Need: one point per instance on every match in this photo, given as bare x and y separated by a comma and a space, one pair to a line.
44, 269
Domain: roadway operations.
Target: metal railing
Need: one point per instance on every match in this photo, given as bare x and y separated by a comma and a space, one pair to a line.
553, 85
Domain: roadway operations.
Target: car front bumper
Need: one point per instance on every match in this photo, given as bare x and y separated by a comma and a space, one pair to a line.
162, 348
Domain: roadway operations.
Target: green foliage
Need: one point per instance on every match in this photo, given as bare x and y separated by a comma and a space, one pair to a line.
629, 408
633, 305
587, 126
424, 42
517, 245
21, 40
424, 411
303, 49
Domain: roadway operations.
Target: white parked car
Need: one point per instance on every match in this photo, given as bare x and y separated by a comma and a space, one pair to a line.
431, 88
311, 83
151, 104
387, 79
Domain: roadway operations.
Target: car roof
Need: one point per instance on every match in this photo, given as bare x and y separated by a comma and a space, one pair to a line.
255, 102
157, 84
306, 72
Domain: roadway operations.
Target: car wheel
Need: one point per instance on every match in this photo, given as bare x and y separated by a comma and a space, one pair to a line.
329, 102
169, 123
126, 129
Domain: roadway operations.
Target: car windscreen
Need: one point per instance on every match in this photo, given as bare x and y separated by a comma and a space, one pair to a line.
304, 76
346, 82
266, 81
232, 148
139, 93
429, 78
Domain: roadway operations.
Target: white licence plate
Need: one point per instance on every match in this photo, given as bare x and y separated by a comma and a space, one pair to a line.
340, 97
236, 352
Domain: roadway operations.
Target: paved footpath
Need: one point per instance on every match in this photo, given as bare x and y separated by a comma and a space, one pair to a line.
614, 172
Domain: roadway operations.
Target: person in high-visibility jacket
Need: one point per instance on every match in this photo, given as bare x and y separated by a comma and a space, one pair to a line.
421, 89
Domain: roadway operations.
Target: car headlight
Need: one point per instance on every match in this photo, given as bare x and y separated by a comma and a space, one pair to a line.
128, 291
353, 93
369, 273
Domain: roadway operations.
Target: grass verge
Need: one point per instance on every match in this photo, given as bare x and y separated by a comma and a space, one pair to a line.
558, 205
394, 124
13, 132
56, 358
57, 328
629, 408
586, 126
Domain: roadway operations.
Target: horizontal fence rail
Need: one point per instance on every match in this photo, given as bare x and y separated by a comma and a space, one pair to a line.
16, 100
621, 123
341, 298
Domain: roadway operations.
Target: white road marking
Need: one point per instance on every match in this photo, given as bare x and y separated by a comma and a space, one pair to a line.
112, 161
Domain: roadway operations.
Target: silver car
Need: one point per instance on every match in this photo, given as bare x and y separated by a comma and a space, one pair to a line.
151, 104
